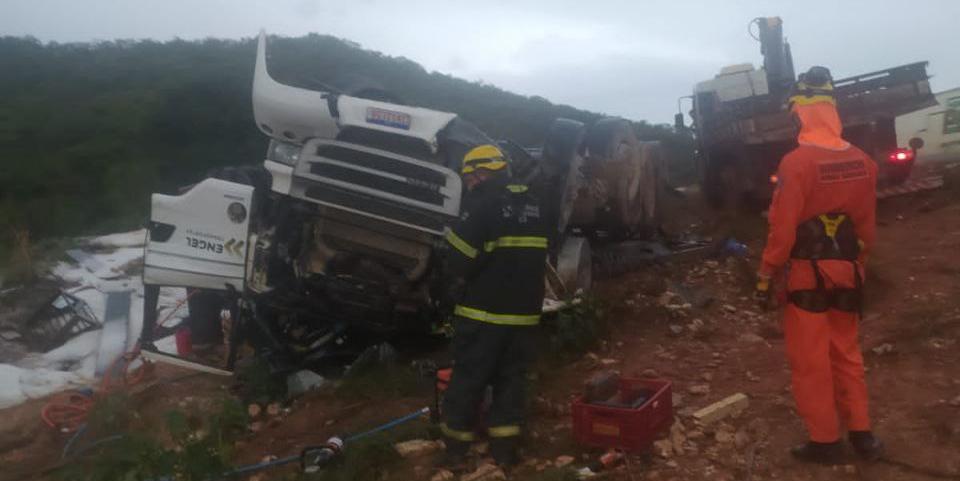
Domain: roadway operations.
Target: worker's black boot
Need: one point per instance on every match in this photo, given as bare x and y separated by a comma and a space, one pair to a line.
504, 451
820, 453
867, 446
455, 457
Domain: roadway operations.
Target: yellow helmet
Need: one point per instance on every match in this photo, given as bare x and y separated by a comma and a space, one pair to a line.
483, 157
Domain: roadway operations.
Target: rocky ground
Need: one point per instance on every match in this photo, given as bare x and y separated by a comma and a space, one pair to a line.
692, 323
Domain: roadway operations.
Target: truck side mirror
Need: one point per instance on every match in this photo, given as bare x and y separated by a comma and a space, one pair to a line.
678, 122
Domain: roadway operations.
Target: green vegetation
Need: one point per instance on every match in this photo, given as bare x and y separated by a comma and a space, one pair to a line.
88, 131
379, 381
575, 331
187, 448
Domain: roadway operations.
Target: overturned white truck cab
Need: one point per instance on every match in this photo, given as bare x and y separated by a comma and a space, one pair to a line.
335, 242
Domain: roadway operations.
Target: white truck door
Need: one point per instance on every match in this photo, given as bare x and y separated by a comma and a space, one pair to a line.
199, 239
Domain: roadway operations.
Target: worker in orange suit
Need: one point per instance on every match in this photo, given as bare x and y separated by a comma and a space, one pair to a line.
822, 225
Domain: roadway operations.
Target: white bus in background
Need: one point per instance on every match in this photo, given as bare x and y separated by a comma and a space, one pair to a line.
938, 126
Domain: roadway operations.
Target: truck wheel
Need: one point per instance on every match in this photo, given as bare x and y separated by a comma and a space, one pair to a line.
575, 264
651, 185
616, 157
561, 166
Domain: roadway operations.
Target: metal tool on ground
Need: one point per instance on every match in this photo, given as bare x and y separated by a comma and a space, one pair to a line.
312, 458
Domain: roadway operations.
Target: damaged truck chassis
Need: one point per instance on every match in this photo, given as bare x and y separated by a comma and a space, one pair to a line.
336, 242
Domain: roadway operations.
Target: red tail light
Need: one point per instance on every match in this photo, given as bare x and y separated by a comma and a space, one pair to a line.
901, 155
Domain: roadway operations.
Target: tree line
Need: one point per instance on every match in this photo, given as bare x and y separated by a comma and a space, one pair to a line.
89, 130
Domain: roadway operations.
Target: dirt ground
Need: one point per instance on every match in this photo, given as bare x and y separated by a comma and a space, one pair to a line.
910, 331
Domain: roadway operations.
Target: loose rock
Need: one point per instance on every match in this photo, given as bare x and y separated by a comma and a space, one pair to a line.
750, 338
416, 448
883, 349
729, 308
562, 461
724, 437
443, 475
741, 439
663, 448
955, 401
699, 389
486, 472
731, 406
675, 329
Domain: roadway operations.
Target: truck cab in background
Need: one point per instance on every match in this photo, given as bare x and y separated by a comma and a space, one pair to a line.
336, 242
743, 127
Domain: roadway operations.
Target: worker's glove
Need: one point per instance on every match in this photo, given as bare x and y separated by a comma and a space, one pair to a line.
761, 293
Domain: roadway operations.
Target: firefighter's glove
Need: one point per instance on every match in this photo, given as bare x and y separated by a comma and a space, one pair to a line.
761, 293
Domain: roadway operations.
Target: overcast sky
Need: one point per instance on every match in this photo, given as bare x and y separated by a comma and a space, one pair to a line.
629, 58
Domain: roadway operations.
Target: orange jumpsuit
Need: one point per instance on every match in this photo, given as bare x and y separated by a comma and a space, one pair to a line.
823, 175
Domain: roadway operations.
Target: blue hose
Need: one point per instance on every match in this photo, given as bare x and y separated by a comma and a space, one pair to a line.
292, 459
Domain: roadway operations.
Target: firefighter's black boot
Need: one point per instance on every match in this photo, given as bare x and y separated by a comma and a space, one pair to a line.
455, 457
820, 453
504, 451
867, 446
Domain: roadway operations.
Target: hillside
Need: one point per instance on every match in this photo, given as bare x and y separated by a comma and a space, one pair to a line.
87, 131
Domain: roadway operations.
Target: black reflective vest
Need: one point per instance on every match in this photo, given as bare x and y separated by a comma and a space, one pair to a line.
499, 248
828, 237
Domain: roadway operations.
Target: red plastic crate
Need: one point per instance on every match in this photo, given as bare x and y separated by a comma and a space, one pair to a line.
628, 429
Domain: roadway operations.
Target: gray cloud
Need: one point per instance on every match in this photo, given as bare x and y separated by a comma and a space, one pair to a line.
628, 58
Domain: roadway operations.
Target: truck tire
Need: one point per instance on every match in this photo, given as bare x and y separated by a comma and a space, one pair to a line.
575, 264
631, 169
561, 166
651, 187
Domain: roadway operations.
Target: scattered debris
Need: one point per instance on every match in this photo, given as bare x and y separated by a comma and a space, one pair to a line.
63, 317
955, 401
751, 338
443, 475
663, 448
741, 439
724, 437
303, 381
732, 406
677, 437
729, 308
417, 448
486, 472
563, 461
699, 389
675, 329
882, 349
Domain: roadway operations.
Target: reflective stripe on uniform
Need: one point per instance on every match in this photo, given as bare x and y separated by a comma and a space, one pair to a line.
504, 431
517, 188
514, 241
503, 319
461, 245
465, 436
812, 99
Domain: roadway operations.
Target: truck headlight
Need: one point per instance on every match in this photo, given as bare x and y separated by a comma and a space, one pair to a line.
283, 152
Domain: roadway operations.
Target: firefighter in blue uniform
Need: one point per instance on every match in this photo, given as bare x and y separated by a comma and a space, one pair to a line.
498, 249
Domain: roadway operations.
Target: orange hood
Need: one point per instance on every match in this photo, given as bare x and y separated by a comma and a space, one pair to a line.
820, 125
